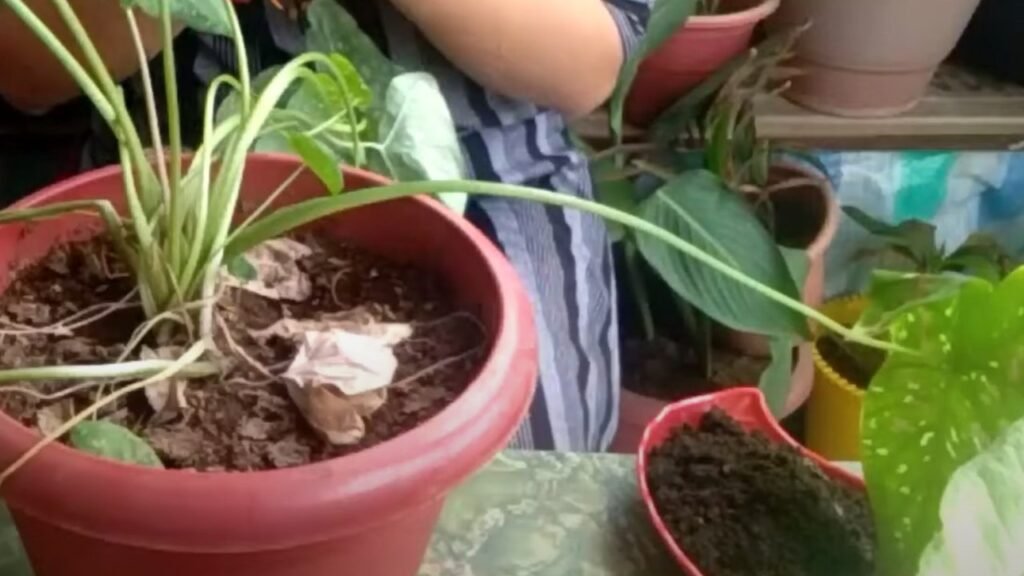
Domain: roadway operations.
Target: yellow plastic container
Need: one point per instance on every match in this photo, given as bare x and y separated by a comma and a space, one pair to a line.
833, 411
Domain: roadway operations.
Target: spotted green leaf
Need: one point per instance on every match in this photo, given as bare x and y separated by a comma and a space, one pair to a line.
926, 415
982, 515
115, 442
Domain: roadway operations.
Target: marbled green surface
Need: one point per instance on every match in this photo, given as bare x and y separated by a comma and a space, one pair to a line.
526, 514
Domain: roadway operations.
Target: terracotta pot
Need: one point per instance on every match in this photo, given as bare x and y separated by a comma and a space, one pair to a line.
812, 206
870, 58
699, 48
833, 411
637, 411
32, 79
748, 408
81, 515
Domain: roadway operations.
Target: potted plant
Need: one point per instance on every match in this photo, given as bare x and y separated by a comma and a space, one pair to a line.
870, 59
741, 202
732, 494
842, 369
715, 33
205, 372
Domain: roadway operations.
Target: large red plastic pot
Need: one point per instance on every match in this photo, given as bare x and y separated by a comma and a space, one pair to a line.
692, 54
372, 512
748, 408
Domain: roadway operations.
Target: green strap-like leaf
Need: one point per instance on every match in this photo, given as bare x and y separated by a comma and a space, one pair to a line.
699, 208
112, 441
319, 159
209, 16
777, 378
666, 18
925, 416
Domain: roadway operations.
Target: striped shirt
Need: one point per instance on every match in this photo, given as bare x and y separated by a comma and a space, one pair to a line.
562, 256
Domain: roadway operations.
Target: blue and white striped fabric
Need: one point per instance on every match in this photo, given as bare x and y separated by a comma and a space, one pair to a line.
563, 257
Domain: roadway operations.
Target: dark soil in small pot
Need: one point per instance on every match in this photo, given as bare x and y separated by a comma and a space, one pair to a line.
857, 364
742, 505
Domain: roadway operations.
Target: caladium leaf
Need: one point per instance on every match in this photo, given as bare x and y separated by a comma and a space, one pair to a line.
112, 441
419, 137
982, 515
699, 208
209, 16
891, 294
927, 414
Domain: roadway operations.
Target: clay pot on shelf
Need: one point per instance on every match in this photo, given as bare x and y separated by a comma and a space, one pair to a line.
870, 59
700, 47
80, 515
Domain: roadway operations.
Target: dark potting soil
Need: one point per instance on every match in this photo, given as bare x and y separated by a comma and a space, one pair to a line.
242, 420
857, 364
741, 505
669, 370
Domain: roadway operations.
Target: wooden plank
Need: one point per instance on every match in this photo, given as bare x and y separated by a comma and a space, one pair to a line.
962, 110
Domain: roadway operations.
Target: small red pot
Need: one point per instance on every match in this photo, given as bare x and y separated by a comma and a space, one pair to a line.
371, 512
692, 54
748, 408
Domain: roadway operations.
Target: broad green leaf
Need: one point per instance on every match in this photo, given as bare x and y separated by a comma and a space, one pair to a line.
914, 239
980, 255
613, 192
241, 268
697, 207
982, 513
209, 16
797, 263
891, 294
319, 159
115, 442
926, 415
420, 141
666, 18
332, 30
777, 378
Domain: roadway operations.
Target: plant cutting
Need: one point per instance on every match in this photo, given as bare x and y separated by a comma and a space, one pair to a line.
943, 423
241, 392
731, 195
687, 41
844, 369
870, 59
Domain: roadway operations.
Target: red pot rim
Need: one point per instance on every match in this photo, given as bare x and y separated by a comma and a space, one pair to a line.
742, 18
78, 485
748, 407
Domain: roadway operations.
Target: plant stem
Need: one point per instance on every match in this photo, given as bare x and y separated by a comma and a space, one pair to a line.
151, 108
291, 217
173, 204
639, 288
120, 371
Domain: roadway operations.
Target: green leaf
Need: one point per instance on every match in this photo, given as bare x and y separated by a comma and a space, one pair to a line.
209, 16
925, 416
115, 442
892, 294
982, 515
797, 263
777, 378
319, 159
618, 194
914, 239
232, 103
980, 255
332, 30
241, 268
697, 207
666, 17
420, 141
693, 105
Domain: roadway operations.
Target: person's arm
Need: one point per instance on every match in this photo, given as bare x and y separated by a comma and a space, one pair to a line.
565, 54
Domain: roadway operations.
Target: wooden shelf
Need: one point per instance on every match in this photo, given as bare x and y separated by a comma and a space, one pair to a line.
963, 110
